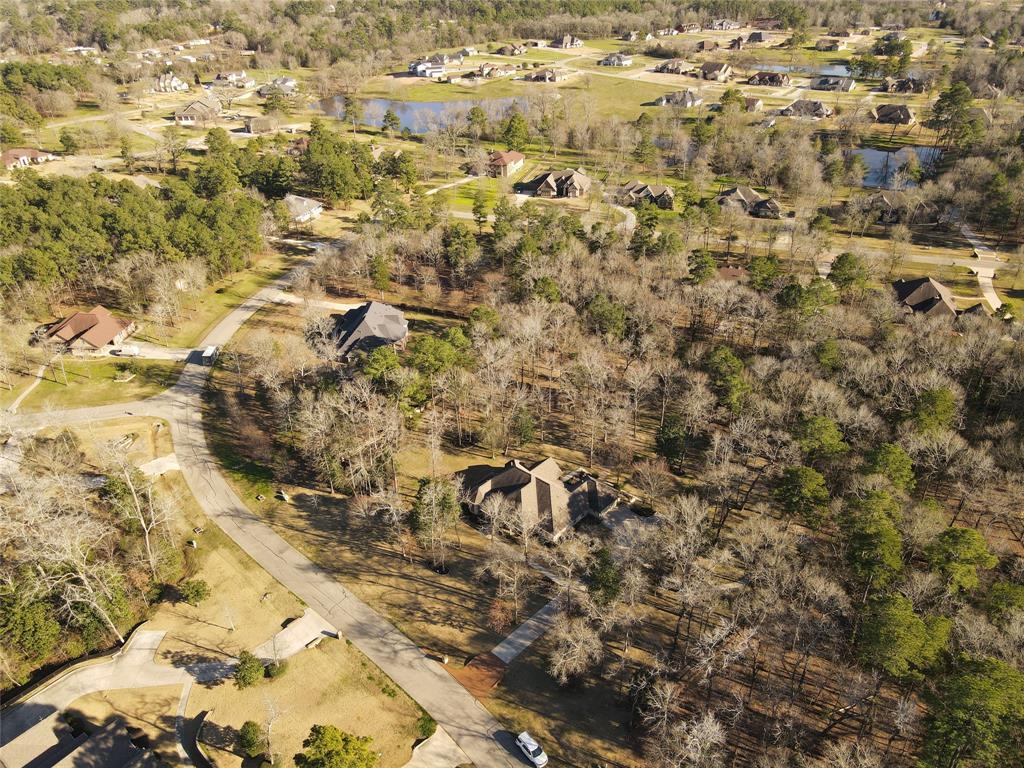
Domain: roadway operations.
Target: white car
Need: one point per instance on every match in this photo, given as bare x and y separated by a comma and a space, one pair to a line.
531, 749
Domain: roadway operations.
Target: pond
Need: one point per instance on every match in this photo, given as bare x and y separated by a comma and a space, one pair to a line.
832, 70
419, 116
883, 164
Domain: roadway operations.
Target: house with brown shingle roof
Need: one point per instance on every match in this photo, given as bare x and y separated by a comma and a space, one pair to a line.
567, 183
24, 157
715, 70
505, 163
90, 331
636, 192
545, 500
772, 79
893, 114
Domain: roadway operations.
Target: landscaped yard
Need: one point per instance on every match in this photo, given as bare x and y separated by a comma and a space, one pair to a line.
96, 382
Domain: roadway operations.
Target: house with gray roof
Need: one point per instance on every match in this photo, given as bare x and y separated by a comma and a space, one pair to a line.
925, 296
368, 326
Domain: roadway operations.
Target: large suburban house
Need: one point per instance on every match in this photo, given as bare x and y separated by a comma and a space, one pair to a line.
565, 183
90, 331
567, 41
674, 67
722, 25
302, 209
925, 296
505, 163
832, 83
512, 49
202, 110
636, 192
284, 86
705, 46
902, 85
616, 60
24, 157
749, 201
772, 79
807, 108
715, 70
829, 44
687, 98
488, 71
426, 68
549, 75
369, 326
545, 499
893, 114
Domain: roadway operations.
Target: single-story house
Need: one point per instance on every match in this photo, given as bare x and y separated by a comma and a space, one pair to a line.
749, 201
925, 296
238, 79
666, 32
687, 29
829, 44
260, 124
467, 51
630, 37
737, 43
832, 83
547, 501
752, 104
758, 38
687, 98
704, 46
771, 79
893, 114
807, 108
549, 75
511, 50
566, 183
302, 209
567, 41
715, 70
840, 32
616, 60
169, 82
505, 164
201, 110
724, 24
369, 326
284, 86
674, 67
23, 157
902, 85
488, 70
637, 191
91, 331
894, 206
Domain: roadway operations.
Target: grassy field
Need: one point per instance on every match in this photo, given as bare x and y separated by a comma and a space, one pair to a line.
94, 382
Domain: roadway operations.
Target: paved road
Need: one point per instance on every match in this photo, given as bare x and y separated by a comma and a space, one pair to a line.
472, 727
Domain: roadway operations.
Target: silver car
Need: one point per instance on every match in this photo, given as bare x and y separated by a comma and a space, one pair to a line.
531, 749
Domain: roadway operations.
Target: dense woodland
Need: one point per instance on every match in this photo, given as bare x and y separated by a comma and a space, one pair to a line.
837, 484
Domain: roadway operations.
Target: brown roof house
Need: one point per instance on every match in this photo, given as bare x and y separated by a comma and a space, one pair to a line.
506, 163
567, 41
902, 85
636, 192
773, 79
23, 158
715, 70
832, 83
201, 110
674, 67
925, 296
807, 108
544, 498
567, 183
893, 114
369, 326
90, 331
687, 98
549, 75
749, 201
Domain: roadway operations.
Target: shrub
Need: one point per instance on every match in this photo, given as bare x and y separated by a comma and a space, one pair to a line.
277, 668
194, 591
426, 726
250, 739
249, 670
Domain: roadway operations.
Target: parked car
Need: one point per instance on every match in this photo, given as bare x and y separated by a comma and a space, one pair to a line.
531, 749
128, 350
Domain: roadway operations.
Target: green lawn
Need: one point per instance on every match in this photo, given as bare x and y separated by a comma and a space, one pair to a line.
92, 382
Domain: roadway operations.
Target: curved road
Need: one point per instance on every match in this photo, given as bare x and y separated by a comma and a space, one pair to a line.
472, 727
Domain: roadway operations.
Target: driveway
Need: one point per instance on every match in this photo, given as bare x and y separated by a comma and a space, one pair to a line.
472, 727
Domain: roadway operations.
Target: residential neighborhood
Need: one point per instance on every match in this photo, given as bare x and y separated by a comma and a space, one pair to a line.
526, 384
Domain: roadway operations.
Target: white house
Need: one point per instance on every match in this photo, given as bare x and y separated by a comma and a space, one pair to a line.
302, 209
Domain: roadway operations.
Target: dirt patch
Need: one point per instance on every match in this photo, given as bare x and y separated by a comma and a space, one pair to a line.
481, 675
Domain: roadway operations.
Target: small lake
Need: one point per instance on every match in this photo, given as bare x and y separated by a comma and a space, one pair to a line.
832, 70
420, 116
883, 165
